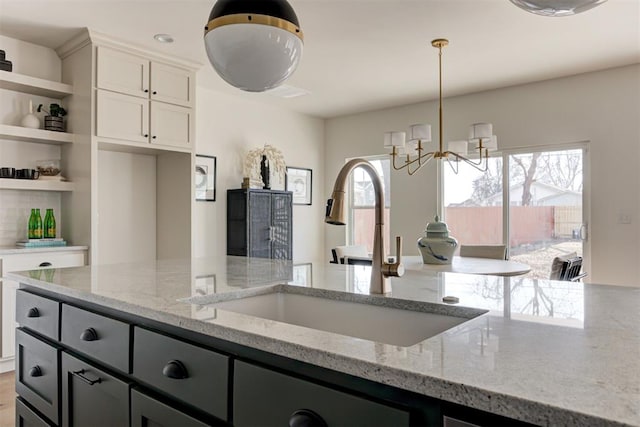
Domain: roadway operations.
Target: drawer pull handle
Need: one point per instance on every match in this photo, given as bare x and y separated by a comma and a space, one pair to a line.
80, 374
35, 371
33, 312
155, 93
89, 335
146, 91
306, 418
45, 264
176, 370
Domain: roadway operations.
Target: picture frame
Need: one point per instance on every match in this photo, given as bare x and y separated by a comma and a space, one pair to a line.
205, 178
300, 182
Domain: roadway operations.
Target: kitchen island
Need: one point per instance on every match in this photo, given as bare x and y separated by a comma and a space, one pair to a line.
545, 353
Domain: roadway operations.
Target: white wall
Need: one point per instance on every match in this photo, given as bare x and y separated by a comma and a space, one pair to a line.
601, 107
228, 127
126, 207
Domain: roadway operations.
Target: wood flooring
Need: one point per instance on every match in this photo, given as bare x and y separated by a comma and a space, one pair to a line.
7, 399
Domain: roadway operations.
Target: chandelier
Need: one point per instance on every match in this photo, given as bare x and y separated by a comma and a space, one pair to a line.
412, 152
556, 7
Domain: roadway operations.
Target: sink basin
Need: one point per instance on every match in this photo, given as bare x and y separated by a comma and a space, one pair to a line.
397, 322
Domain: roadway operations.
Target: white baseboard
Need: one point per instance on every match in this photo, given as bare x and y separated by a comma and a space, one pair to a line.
7, 364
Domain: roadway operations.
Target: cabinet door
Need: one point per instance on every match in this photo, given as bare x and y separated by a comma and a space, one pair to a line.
147, 412
91, 397
172, 84
171, 125
281, 226
9, 288
27, 417
267, 398
37, 374
260, 231
122, 72
122, 117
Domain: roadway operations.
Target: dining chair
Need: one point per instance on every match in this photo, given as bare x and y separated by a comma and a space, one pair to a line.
567, 267
484, 251
355, 252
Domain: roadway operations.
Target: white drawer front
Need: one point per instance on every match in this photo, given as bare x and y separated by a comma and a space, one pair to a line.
42, 260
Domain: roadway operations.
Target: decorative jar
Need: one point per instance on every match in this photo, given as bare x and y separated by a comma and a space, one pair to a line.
436, 246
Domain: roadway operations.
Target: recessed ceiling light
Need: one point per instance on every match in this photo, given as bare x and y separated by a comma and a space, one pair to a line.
163, 38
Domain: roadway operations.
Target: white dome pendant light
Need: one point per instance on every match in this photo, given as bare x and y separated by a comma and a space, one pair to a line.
254, 45
556, 7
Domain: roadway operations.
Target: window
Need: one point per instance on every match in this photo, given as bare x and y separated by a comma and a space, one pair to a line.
362, 204
540, 217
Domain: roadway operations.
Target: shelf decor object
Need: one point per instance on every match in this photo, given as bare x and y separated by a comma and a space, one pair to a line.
205, 178
299, 181
556, 8
30, 120
480, 135
253, 45
253, 162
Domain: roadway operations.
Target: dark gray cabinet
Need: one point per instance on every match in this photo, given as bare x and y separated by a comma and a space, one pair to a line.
267, 398
37, 373
259, 223
27, 417
92, 397
149, 412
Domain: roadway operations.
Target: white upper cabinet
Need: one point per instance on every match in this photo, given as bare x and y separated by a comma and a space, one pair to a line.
141, 100
171, 84
171, 125
122, 117
122, 72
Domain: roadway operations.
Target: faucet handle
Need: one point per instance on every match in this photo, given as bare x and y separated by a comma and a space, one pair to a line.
398, 249
395, 269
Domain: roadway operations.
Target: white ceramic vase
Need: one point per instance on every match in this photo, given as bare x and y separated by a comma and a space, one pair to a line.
436, 246
30, 120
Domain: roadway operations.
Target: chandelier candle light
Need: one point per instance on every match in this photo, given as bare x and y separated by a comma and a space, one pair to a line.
480, 135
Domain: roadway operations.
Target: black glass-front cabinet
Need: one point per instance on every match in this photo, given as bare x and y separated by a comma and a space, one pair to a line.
259, 223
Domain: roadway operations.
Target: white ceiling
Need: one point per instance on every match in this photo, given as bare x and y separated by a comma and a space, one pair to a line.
363, 55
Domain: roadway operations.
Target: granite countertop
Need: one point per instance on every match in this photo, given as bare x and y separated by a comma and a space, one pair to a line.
11, 250
546, 352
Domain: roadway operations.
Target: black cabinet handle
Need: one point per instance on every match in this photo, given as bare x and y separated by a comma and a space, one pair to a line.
35, 371
175, 369
33, 312
80, 375
89, 334
146, 135
155, 93
146, 91
154, 137
45, 264
306, 418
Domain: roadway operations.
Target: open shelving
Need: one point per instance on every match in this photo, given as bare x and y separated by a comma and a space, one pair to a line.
34, 85
35, 185
40, 136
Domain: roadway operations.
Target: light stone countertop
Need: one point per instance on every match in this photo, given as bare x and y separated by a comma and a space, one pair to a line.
547, 352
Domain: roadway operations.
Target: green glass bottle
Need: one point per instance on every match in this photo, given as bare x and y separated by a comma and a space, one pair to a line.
37, 225
31, 226
49, 225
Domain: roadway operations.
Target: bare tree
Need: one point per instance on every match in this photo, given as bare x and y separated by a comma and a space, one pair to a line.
489, 184
529, 174
562, 169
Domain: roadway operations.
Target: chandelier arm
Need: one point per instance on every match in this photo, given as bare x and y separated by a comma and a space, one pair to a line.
479, 165
410, 172
454, 169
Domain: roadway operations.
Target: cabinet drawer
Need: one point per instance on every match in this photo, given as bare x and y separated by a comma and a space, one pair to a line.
92, 397
100, 337
37, 370
41, 260
37, 313
192, 374
146, 411
27, 417
267, 398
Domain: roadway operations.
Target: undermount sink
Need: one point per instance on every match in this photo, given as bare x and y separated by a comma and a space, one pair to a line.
397, 322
